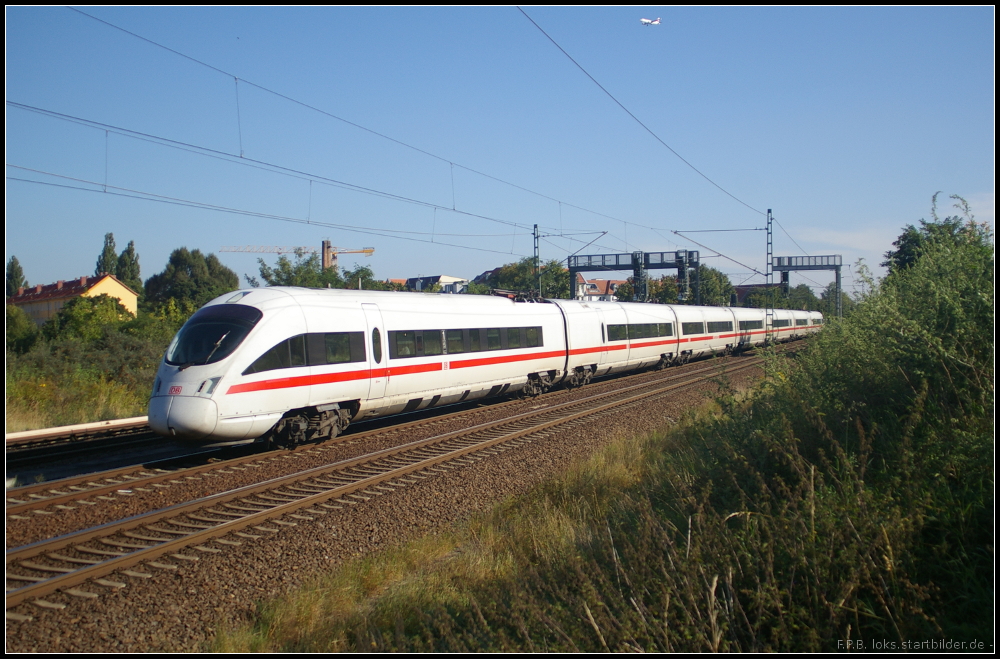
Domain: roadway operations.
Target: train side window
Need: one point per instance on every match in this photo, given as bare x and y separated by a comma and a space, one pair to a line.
801, 321
297, 349
275, 358
475, 340
617, 332
751, 325
493, 339
692, 328
432, 342
642, 331
782, 323
720, 326
534, 335
316, 349
376, 346
402, 344
455, 341
513, 337
665, 329
338, 348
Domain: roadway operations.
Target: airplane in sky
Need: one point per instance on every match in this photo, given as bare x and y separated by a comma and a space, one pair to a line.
646, 21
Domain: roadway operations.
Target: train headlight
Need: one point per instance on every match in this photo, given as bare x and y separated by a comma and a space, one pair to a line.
208, 386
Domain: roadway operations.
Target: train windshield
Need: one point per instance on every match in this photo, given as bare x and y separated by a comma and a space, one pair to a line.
212, 334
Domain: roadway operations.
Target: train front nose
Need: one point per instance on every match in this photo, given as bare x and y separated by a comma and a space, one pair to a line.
189, 417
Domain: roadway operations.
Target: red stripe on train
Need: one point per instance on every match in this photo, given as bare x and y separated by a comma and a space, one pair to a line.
347, 376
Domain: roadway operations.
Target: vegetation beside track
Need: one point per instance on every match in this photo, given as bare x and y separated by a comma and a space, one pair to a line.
849, 499
89, 370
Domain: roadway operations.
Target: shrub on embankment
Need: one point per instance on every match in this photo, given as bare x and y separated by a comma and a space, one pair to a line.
89, 369
850, 498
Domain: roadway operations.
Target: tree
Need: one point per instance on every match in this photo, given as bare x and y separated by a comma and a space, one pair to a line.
86, 317
664, 289
362, 277
476, 289
21, 330
107, 262
716, 289
661, 291
304, 271
626, 290
802, 298
128, 269
521, 276
760, 298
828, 301
190, 278
954, 230
15, 277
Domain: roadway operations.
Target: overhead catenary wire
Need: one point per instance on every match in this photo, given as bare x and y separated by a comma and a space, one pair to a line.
728, 258
637, 120
790, 237
253, 163
177, 201
452, 164
266, 166
348, 122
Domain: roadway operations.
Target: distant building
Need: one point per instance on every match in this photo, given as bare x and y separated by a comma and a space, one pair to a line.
448, 284
597, 290
42, 303
484, 278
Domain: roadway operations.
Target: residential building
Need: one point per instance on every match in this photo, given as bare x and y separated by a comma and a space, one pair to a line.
597, 290
43, 302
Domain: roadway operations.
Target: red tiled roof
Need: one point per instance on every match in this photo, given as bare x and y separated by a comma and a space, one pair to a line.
60, 290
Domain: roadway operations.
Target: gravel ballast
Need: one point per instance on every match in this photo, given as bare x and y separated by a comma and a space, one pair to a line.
179, 610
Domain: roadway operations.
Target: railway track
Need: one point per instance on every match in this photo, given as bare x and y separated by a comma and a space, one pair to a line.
168, 538
79, 432
26, 499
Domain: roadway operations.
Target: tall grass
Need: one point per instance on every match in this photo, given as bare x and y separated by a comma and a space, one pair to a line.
848, 499
72, 396
72, 380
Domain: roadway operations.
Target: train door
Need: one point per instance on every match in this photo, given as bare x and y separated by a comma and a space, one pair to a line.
378, 356
742, 329
602, 355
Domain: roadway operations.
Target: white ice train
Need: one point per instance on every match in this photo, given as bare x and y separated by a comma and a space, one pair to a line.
294, 364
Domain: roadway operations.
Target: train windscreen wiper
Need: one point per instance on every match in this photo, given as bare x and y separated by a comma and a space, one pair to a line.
217, 344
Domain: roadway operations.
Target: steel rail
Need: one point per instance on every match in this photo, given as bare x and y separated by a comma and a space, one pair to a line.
78, 431
32, 497
281, 505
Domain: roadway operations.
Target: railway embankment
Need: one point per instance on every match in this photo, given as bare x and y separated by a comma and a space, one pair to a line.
182, 601
847, 502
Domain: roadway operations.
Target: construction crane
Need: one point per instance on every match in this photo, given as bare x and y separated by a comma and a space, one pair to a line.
329, 252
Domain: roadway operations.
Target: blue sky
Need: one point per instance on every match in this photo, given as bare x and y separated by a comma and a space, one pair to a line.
844, 121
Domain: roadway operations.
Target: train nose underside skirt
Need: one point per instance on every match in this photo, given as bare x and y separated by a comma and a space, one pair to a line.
190, 417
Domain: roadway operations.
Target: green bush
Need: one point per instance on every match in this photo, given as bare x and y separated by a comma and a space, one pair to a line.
850, 498
97, 363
